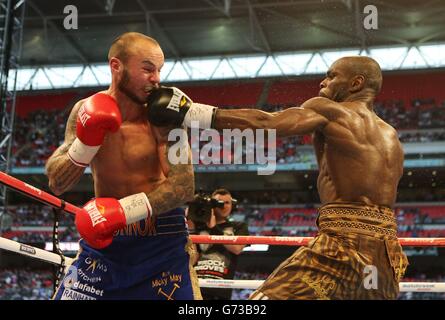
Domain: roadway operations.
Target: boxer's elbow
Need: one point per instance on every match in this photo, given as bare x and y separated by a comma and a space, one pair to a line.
54, 177
54, 188
52, 181
183, 187
262, 120
60, 181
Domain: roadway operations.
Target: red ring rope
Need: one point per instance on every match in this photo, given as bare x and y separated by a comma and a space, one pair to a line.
300, 241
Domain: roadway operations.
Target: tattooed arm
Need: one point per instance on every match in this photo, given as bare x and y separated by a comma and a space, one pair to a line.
179, 187
62, 173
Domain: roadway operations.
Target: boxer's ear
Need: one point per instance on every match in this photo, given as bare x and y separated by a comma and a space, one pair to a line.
357, 83
116, 65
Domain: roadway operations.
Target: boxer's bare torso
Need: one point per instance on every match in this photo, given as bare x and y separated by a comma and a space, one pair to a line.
129, 161
359, 155
132, 160
360, 158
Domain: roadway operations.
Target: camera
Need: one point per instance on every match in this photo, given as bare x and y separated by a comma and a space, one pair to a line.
200, 209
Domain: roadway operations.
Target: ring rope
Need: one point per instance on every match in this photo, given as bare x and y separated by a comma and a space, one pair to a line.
53, 201
33, 252
37, 194
50, 257
300, 241
254, 284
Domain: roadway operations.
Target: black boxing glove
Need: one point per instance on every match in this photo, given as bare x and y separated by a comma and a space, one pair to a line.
169, 106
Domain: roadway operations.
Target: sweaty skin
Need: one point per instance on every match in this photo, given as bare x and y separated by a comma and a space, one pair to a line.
134, 159
360, 157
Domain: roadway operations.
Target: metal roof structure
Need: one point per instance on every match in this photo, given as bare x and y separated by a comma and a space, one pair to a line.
216, 28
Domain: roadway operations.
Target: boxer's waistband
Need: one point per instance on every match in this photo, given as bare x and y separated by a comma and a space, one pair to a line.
376, 221
168, 223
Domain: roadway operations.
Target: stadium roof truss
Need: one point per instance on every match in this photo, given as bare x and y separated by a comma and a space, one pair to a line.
228, 39
234, 67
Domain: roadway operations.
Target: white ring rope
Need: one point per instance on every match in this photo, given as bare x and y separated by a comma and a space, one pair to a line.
253, 284
32, 252
53, 258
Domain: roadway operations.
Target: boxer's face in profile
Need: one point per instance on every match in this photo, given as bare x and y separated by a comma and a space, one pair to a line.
223, 212
335, 85
141, 72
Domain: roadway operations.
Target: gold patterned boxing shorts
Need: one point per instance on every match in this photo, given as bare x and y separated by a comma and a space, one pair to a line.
356, 255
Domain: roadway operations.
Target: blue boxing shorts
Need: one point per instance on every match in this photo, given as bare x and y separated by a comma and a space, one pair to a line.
147, 260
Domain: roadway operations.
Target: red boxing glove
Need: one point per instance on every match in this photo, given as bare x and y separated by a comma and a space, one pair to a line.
102, 217
98, 115
98, 220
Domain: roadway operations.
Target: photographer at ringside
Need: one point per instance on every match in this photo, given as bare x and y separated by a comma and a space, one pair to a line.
211, 216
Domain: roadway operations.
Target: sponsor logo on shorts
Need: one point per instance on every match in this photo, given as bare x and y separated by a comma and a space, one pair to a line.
27, 249
87, 278
167, 284
143, 228
165, 279
69, 294
95, 264
87, 288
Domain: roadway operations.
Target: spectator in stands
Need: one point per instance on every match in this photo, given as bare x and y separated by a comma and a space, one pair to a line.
37, 136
